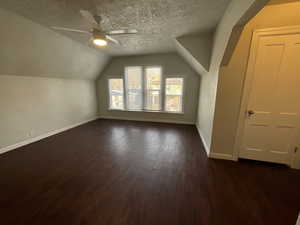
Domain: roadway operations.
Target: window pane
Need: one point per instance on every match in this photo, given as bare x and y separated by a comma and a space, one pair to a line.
116, 94
116, 85
153, 100
153, 77
153, 86
134, 88
174, 86
134, 100
134, 77
117, 102
174, 91
173, 104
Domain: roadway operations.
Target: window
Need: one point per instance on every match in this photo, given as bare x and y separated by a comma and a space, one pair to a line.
145, 89
116, 94
174, 91
153, 88
134, 88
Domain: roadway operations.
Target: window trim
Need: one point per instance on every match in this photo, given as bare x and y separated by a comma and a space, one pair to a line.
162, 95
182, 95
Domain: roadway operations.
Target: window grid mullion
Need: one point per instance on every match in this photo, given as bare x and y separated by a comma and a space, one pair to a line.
145, 92
126, 90
145, 97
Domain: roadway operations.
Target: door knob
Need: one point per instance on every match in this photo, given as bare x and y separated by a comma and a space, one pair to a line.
250, 112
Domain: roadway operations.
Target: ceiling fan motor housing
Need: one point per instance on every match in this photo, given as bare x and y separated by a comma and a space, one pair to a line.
98, 19
97, 34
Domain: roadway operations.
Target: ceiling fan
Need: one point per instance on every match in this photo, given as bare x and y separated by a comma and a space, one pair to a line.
98, 36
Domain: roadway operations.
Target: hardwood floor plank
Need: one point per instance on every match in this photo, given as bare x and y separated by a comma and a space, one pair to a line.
110, 172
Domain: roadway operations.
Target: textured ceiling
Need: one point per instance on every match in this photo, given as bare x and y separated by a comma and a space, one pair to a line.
158, 21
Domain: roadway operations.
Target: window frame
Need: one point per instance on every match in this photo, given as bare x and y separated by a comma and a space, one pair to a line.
144, 95
161, 106
110, 95
127, 90
182, 95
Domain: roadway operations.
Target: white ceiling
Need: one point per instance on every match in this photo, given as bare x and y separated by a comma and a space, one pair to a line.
159, 21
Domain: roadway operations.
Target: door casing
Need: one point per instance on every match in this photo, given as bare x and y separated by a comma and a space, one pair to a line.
249, 77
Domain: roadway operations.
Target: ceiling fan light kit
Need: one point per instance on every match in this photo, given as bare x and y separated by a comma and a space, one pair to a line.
100, 42
99, 38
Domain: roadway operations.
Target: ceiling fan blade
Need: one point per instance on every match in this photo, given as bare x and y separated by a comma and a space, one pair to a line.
89, 16
120, 32
112, 39
71, 30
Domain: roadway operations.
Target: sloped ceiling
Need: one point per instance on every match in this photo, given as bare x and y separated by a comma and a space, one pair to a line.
252, 7
29, 49
207, 51
159, 22
196, 49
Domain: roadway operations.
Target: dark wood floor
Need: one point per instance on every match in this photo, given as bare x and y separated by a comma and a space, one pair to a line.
134, 173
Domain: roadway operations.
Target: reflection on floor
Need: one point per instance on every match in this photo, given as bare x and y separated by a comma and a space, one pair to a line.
110, 172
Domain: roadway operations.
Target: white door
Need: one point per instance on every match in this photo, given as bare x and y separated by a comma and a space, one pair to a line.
272, 118
296, 159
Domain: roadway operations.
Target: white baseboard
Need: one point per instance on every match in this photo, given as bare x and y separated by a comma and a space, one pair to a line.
296, 167
215, 155
40, 137
146, 120
203, 140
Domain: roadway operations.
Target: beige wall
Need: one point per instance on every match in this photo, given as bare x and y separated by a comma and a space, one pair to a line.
33, 106
231, 77
38, 92
173, 66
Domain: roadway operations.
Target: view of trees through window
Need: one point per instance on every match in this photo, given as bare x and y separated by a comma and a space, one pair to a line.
116, 94
143, 91
134, 88
174, 90
153, 88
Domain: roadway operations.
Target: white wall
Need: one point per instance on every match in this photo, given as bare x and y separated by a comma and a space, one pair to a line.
29, 49
236, 10
298, 221
232, 76
206, 106
173, 66
196, 50
38, 89
33, 106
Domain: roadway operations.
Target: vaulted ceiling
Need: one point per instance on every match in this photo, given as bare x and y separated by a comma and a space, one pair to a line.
158, 21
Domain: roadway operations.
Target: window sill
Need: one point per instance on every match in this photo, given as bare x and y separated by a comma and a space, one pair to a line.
146, 111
